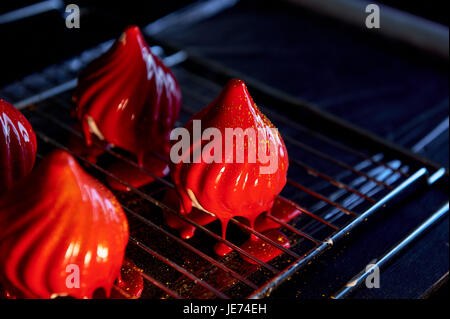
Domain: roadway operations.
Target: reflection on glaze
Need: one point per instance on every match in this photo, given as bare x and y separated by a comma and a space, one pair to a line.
53, 220
230, 189
17, 146
128, 98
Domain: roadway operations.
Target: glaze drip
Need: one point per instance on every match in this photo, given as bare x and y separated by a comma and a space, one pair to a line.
234, 185
56, 225
127, 98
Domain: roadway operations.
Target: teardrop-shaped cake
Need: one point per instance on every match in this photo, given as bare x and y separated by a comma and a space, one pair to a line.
17, 146
236, 162
128, 98
62, 233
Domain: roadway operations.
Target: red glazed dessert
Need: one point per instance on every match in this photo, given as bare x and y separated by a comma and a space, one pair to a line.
17, 146
130, 284
262, 250
229, 186
58, 225
129, 99
185, 229
282, 209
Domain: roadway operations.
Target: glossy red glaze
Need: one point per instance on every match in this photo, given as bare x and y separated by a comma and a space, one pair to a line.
17, 146
128, 98
56, 217
130, 282
282, 209
185, 229
77, 145
231, 189
135, 176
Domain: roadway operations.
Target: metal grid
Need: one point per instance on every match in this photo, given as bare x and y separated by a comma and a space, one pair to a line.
335, 184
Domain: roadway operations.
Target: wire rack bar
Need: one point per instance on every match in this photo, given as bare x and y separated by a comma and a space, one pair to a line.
180, 269
164, 288
49, 140
184, 271
330, 141
333, 160
293, 229
321, 197
134, 164
147, 277
297, 162
279, 275
264, 290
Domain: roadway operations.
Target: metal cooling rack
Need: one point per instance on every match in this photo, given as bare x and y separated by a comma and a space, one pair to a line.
339, 175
